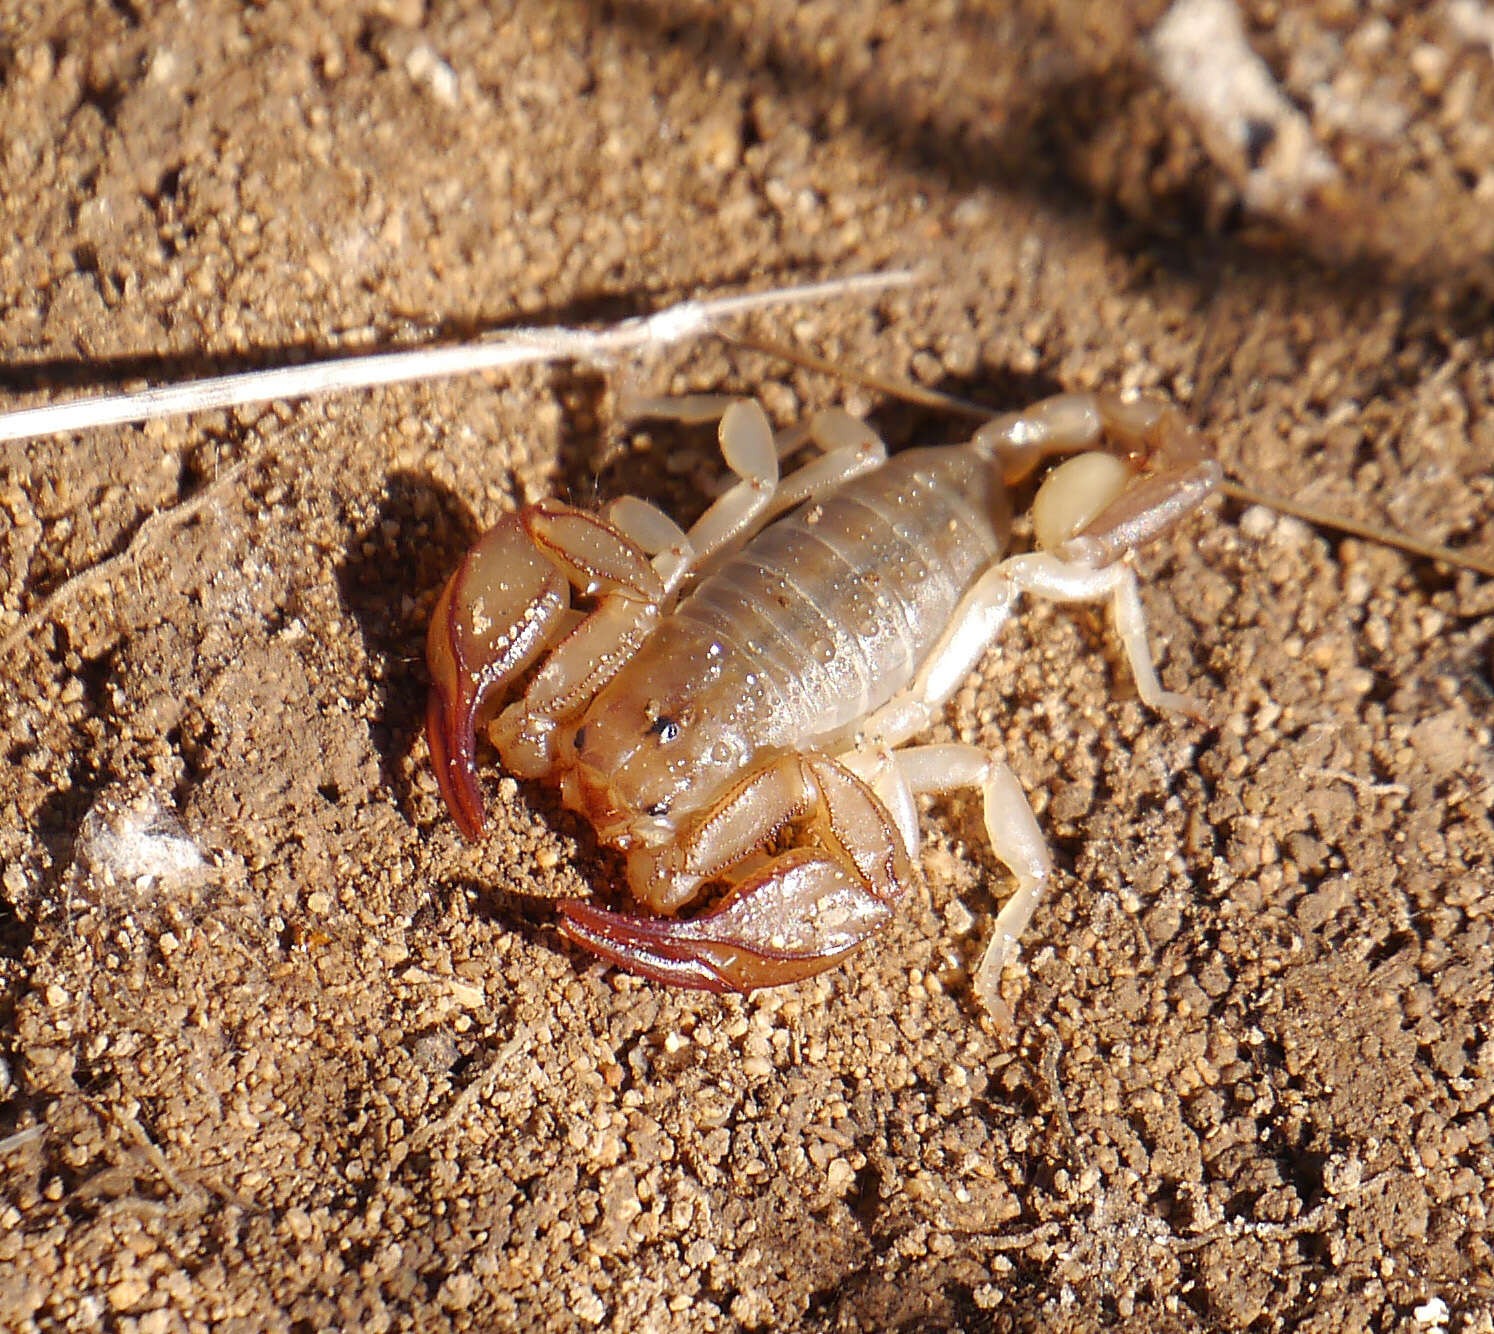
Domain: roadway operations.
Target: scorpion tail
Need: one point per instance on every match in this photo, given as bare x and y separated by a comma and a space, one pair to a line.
796, 917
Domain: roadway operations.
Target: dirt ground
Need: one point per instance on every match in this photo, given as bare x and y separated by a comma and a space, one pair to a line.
280, 1051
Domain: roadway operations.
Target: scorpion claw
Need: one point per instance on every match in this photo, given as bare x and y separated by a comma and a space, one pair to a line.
641, 945
495, 616
796, 917
452, 736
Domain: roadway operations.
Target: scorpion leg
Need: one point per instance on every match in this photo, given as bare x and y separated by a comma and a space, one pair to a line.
900, 776
849, 447
507, 603
971, 632
1090, 513
747, 446
1135, 429
1091, 510
795, 915
1045, 575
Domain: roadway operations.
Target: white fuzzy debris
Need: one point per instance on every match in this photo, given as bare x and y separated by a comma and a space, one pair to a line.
1257, 523
1432, 1314
516, 347
1202, 53
135, 840
427, 70
1473, 22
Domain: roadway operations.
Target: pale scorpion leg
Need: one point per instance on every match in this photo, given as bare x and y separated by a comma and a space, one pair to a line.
746, 445
1010, 825
1088, 513
649, 528
849, 447
797, 914
1135, 429
900, 776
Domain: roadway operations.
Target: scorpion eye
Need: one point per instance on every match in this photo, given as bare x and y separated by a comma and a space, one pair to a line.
658, 810
666, 729
580, 738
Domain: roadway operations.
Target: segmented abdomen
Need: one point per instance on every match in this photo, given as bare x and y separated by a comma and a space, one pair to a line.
828, 613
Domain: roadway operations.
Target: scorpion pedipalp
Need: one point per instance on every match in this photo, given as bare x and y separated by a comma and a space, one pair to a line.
509, 602
495, 617
796, 917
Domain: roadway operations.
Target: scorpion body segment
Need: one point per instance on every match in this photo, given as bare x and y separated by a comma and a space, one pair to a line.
697, 731
834, 607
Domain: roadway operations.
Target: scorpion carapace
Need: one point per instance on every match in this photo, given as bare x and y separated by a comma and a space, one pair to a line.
732, 707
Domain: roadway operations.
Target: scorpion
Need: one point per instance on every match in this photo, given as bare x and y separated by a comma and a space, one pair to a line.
730, 707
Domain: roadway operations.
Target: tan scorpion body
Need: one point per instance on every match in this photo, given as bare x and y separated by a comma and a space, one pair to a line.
695, 728
827, 614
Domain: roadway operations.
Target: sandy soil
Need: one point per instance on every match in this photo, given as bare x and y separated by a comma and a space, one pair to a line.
281, 1052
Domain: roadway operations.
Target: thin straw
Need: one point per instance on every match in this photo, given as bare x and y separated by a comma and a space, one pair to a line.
518, 347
